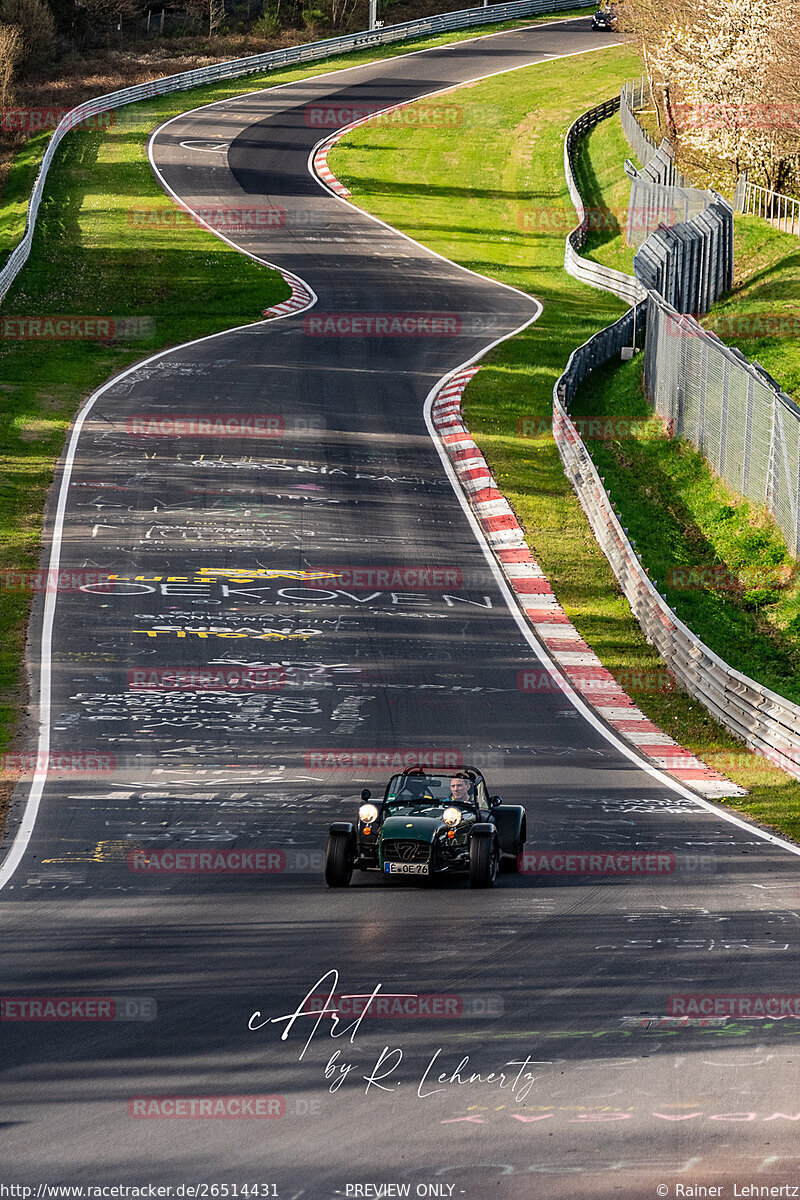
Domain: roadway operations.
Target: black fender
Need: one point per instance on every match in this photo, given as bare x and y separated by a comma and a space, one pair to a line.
512, 828
484, 829
344, 827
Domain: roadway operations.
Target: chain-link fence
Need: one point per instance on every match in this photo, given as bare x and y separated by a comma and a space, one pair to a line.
658, 199
684, 235
633, 96
729, 408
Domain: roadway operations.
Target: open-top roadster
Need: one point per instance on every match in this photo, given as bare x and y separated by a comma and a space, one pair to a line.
429, 825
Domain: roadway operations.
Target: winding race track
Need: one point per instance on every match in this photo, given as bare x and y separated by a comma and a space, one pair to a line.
251, 551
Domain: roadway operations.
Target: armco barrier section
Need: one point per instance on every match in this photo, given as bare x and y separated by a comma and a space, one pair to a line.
235, 68
763, 720
596, 275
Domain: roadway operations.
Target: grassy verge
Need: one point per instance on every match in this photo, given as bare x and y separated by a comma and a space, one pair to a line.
510, 194
606, 190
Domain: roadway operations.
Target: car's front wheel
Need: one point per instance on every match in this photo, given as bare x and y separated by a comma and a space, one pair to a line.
339, 859
483, 860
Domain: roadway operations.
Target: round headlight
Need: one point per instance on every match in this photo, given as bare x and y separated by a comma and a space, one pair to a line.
451, 816
368, 813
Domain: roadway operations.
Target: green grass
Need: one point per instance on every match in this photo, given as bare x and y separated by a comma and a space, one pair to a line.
463, 198
88, 259
605, 188
766, 287
16, 192
686, 525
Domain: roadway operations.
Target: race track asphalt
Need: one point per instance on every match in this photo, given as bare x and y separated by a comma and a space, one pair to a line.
221, 541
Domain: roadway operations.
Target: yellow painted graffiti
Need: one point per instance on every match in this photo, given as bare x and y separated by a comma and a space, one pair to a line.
234, 574
274, 635
103, 852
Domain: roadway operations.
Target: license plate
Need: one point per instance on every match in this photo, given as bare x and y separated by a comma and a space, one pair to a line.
401, 868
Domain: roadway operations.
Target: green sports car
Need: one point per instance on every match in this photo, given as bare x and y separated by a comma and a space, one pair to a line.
429, 825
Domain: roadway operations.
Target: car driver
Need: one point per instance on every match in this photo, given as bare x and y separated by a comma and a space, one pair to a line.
461, 789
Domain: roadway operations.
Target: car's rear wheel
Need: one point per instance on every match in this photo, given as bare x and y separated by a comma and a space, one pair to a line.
339, 859
483, 860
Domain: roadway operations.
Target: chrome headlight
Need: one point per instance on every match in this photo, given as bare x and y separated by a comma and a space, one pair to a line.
368, 813
451, 816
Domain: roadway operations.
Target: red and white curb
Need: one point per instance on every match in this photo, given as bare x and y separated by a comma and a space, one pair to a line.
321, 167
552, 626
300, 298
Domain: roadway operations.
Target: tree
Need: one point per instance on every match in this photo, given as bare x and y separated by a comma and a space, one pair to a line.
9, 49
716, 68
646, 21
34, 23
208, 11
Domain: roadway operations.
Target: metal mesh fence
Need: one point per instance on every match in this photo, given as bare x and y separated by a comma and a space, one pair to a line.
684, 235
732, 410
655, 200
635, 95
